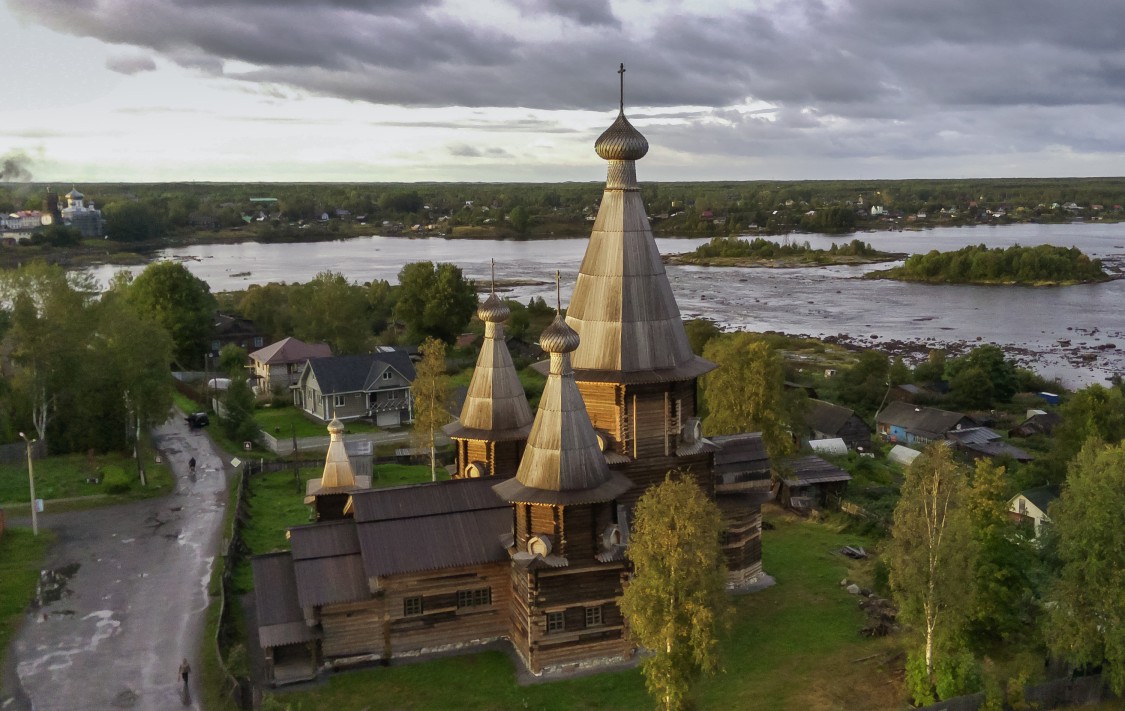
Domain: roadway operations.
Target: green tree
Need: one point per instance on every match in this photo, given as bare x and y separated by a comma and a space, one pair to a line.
401, 202
930, 558
333, 311
972, 388
1086, 623
1000, 371
430, 393
233, 359
700, 331
435, 301
746, 392
237, 420
1004, 569
180, 302
864, 385
519, 219
133, 221
676, 602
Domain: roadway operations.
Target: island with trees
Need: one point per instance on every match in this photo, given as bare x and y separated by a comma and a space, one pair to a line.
758, 252
1044, 265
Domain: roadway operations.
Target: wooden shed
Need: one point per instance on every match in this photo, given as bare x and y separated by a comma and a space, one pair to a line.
805, 483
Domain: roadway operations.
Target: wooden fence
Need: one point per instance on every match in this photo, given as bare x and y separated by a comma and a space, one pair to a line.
1052, 694
16, 452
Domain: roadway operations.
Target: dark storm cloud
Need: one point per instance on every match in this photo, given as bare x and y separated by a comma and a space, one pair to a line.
918, 76
130, 64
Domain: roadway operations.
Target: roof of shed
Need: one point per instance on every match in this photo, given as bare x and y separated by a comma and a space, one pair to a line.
803, 471
280, 619
826, 417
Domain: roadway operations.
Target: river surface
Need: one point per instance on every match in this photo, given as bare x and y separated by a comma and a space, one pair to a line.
1029, 322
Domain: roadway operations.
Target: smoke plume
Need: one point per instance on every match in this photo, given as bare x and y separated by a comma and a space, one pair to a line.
14, 167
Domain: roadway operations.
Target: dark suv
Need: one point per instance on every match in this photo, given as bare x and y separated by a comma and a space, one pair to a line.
197, 419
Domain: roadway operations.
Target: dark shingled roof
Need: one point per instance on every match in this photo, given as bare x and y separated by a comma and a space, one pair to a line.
741, 457
323, 539
826, 417
1041, 496
987, 442
929, 422
447, 540
321, 581
803, 471
280, 620
431, 499
354, 373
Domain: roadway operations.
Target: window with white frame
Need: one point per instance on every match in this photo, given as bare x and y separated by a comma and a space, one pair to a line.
593, 616
556, 622
339, 401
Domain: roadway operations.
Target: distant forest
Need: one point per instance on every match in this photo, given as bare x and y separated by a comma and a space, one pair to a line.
1044, 264
152, 211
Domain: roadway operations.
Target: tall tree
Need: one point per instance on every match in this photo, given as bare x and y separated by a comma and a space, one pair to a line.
233, 359
1086, 624
333, 311
180, 302
435, 301
676, 602
747, 391
46, 332
930, 556
430, 393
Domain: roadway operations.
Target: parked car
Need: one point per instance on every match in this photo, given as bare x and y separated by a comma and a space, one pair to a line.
198, 419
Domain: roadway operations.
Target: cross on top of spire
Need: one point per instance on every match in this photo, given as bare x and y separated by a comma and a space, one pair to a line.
493, 276
621, 102
558, 292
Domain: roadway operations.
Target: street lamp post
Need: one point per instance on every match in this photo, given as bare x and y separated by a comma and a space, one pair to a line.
31, 481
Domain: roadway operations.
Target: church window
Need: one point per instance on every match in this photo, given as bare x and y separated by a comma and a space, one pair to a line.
480, 597
556, 622
593, 616
412, 606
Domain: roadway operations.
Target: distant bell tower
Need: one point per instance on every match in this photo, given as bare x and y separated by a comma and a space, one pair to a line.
51, 208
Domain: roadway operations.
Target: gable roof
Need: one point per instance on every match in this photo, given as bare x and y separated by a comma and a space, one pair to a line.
280, 619
291, 350
803, 471
1041, 496
327, 564
355, 373
826, 417
987, 442
430, 499
916, 419
740, 456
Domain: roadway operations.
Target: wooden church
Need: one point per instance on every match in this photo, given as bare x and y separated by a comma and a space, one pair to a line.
527, 542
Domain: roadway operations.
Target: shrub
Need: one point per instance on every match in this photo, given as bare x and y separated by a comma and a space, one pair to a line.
115, 480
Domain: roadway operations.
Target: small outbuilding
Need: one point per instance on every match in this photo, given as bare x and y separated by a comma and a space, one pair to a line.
806, 483
826, 420
1030, 507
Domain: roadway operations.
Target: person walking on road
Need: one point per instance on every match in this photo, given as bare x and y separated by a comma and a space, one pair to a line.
185, 670
191, 467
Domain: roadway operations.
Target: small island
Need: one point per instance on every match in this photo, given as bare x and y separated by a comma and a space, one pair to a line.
1044, 265
758, 252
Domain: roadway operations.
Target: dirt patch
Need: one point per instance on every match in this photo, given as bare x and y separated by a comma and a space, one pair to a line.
53, 585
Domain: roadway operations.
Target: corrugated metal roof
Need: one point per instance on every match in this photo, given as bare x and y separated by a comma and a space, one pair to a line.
435, 498
973, 435
835, 445
927, 421
319, 540
803, 471
405, 545
742, 456
280, 619
322, 581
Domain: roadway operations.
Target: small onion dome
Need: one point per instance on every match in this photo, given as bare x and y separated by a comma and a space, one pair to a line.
493, 310
335, 427
558, 337
74, 194
621, 141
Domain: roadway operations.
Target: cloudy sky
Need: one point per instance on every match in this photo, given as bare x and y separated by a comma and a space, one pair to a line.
497, 90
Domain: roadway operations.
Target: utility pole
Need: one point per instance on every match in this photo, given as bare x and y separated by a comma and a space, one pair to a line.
31, 481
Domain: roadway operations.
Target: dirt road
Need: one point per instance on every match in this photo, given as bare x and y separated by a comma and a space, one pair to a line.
127, 596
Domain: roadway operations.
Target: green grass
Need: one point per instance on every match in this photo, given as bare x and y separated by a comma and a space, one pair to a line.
281, 421
213, 680
792, 646
186, 404
401, 474
64, 476
21, 558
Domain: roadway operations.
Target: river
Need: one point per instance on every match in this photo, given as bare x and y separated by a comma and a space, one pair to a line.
822, 301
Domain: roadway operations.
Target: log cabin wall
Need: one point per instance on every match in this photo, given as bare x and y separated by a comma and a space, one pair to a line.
352, 629
742, 538
651, 471
446, 609
550, 619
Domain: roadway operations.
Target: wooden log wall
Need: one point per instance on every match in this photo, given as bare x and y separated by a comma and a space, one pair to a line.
352, 629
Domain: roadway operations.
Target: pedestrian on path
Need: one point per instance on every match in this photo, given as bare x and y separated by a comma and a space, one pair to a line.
191, 465
185, 670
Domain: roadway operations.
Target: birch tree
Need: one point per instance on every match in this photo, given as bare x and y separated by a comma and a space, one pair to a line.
930, 559
430, 393
1086, 623
676, 602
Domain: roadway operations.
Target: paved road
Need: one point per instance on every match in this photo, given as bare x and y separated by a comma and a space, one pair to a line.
136, 604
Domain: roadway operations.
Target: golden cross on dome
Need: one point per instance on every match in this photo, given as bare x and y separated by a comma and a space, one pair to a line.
558, 293
493, 277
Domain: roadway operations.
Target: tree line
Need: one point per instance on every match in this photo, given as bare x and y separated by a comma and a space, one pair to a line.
982, 265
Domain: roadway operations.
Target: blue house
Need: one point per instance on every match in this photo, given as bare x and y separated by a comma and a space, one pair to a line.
905, 423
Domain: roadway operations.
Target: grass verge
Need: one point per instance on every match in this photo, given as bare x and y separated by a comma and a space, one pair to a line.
282, 421
212, 678
21, 559
793, 646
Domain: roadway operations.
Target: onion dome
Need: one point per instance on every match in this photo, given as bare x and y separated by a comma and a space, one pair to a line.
74, 194
335, 428
621, 141
558, 337
493, 310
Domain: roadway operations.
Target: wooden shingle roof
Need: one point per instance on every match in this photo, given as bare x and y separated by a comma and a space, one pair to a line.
803, 471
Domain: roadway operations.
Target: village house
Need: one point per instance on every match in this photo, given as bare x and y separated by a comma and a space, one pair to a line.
279, 364
1030, 507
902, 422
242, 332
806, 483
825, 420
527, 542
983, 443
375, 385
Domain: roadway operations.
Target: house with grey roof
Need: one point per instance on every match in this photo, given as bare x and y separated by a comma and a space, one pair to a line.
804, 483
902, 422
826, 420
981, 442
374, 385
1031, 506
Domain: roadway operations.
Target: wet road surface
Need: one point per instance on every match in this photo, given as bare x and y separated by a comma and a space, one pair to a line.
127, 597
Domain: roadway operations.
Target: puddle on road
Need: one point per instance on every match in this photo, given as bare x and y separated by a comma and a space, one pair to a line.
172, 536
52, 585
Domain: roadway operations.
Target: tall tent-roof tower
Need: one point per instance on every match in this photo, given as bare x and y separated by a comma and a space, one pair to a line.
495, 419
623, 307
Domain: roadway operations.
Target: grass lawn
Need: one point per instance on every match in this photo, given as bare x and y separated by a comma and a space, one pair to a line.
280, 422
792, 646
21, 558
64, 476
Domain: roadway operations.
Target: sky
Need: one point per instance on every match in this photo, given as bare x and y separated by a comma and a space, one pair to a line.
518, 90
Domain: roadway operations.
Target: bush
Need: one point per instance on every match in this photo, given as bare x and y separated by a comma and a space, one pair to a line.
115, 480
